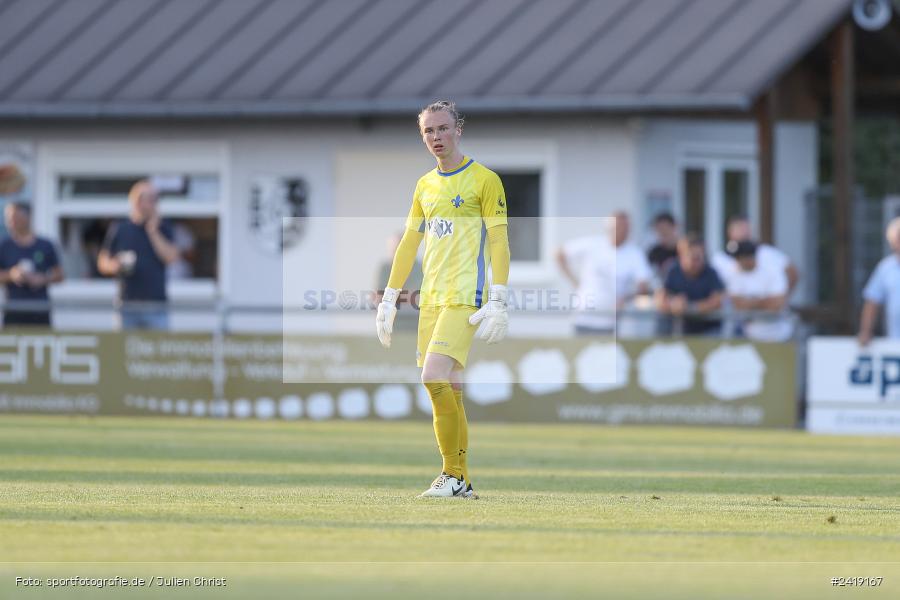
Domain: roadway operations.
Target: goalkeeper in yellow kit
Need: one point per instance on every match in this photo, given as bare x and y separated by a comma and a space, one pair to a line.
460, 210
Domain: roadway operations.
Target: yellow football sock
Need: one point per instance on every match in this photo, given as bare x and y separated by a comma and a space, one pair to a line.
446, 424
463, 434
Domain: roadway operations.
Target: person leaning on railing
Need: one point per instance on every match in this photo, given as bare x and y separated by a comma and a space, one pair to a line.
28, 265
739, 229
608, 274
761, 290
692, 290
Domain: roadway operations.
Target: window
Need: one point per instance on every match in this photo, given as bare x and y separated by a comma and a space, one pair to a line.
82, 238
529, 172
523, 193
183, 188
736, 196
88, 204
717, 184
694, 201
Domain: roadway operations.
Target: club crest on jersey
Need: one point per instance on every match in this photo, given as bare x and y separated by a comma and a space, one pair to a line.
441, 227
457, 201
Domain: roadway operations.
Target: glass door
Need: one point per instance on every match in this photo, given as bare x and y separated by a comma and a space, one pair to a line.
695, 200
714, 189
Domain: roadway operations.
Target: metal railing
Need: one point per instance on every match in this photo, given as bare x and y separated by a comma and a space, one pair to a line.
729, 318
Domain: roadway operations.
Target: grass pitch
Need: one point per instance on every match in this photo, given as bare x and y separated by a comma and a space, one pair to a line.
330, 510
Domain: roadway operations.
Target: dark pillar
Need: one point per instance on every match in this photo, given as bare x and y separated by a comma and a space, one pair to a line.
842, 113
765, 144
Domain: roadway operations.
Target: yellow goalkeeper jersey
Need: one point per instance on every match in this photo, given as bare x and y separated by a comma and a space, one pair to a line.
454, 210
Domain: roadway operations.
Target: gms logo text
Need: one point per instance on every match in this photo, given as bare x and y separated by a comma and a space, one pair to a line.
67, 359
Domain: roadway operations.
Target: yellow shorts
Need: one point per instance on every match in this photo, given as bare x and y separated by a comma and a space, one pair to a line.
445, 330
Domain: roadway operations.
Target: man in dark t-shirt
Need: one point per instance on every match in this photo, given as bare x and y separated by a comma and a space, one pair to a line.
28, 264
664, 253
137, 250
692, 287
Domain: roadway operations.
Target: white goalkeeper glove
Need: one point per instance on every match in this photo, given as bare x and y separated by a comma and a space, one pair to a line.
384, 320
494, 314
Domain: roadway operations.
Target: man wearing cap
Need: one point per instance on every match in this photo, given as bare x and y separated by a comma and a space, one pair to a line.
28, 264
739, 229
758, 288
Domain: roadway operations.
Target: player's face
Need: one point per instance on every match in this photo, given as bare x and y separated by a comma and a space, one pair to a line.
439, 132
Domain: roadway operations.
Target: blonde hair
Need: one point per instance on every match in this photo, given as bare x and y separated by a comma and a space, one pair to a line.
447, 106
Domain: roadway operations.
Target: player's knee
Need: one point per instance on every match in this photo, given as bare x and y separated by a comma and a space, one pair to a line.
442, 402
430, 376
433, 373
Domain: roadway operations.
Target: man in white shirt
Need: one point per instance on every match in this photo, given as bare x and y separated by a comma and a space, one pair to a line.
754, 286
883, 289
607, 272
769, 257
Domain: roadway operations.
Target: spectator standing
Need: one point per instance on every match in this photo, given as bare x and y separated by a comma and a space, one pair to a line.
664, 253
611, 272
692, 287
883, 289
739, 229
137, 250
759, 288
28, 265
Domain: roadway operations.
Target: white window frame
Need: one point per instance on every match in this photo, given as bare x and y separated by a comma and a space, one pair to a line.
99, 157
714, 160
527, 156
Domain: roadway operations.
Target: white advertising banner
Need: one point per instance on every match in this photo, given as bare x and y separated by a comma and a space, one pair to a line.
851, 389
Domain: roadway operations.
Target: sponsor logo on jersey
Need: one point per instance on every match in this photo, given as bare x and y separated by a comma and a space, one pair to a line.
440, 227
500, 201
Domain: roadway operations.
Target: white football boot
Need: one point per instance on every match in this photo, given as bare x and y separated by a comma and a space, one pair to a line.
469, 493
445, 486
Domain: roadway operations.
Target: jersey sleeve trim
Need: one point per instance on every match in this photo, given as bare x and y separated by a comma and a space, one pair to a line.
479, 283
